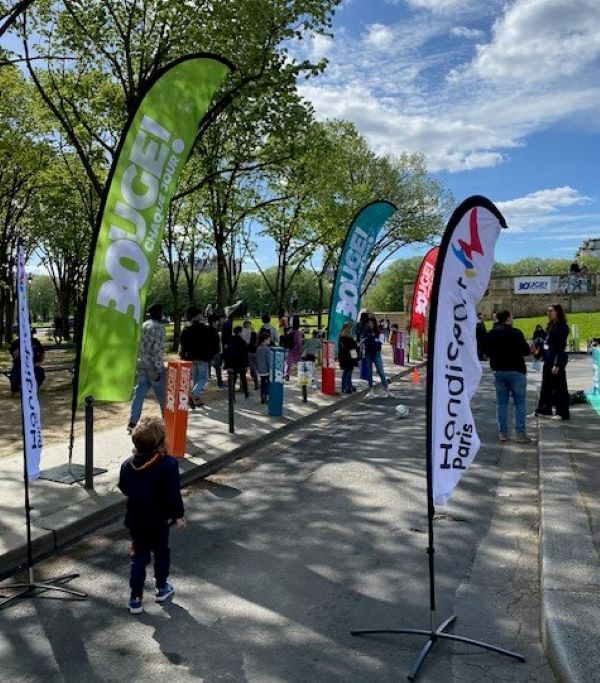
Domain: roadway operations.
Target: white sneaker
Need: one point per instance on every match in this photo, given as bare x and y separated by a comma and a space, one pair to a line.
556, 417
388, 394
370, 393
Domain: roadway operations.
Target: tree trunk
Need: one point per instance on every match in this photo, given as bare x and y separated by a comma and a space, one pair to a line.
64, 299
320, 302
10, 318
176, 330
221, 276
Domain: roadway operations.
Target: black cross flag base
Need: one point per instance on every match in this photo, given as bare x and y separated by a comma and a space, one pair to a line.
69, 473
36, 589
433, 636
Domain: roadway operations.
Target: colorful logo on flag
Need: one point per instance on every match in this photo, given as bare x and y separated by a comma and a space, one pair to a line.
465, 250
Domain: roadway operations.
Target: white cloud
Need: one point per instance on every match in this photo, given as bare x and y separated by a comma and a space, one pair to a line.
545, 208
543, 201
540, 41
379, 36
416, 90
320, 46
448, 143
465, 32
441, 6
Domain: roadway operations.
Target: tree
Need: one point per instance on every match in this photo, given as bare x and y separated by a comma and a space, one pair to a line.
9, 13
22, 158
92, 61
63, 232
354, 176
387, 294
42, 298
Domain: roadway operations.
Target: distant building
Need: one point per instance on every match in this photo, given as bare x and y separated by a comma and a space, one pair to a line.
589, 247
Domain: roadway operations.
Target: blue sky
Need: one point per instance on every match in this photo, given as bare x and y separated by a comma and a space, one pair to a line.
501, 96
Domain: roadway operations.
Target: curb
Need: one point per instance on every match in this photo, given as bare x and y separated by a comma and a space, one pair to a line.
569, 574
66, 526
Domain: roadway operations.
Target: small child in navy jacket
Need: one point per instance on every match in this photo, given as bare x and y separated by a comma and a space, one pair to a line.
150, 480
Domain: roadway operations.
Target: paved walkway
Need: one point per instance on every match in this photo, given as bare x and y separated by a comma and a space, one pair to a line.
569, 485
569, 482
63, 512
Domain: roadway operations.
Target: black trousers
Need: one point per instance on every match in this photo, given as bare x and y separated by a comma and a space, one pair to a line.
243, 381
145, 543
554, 392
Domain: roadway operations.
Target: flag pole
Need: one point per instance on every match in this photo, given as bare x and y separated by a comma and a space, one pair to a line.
433, 633
31, 588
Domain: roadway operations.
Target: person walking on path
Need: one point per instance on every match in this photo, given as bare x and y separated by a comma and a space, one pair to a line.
372, 340
38, 358
235, 357
506, 348
226, 328
199, 345
294, 347
270, 328
263, 364
480, 336
150, 480
214, 322
554, 391
347, 357
251, 339
151, 364
312, 347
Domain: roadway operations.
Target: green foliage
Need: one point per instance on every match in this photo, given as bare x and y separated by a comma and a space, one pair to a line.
532, 266
387, 294
43, 303
589, 324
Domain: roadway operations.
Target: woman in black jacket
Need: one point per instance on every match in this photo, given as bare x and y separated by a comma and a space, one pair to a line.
554, 390
347, 357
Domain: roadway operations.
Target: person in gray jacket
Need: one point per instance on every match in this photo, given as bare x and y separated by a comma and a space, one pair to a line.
263, 364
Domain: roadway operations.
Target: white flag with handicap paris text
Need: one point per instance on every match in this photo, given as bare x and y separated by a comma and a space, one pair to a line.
462, 276
32, 426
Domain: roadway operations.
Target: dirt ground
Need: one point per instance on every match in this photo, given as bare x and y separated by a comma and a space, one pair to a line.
55, 404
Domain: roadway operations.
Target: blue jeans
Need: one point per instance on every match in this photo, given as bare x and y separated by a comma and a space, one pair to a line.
142, 387
510, 383
145, 542
347, 380
378, 366
200, 377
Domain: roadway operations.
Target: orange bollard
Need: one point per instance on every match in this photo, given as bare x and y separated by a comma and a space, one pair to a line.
179, 377
416, 376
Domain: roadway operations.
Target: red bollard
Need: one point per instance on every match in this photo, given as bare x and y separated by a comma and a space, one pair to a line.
179, 378
328, 367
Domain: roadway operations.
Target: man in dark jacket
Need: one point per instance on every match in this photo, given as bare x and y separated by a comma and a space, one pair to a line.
506, 348
235, 357
150, 480
199, 343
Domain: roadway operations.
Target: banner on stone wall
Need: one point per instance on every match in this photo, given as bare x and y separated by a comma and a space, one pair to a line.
153, 150
551, 284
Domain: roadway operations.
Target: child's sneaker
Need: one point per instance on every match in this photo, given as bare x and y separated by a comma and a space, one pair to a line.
136, 606
164, 593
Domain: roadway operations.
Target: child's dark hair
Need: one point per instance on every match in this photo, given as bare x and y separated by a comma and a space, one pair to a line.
262, 336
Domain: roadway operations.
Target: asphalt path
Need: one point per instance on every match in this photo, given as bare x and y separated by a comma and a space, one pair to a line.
288, 550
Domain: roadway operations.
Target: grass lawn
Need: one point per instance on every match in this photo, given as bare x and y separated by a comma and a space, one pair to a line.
589, 325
